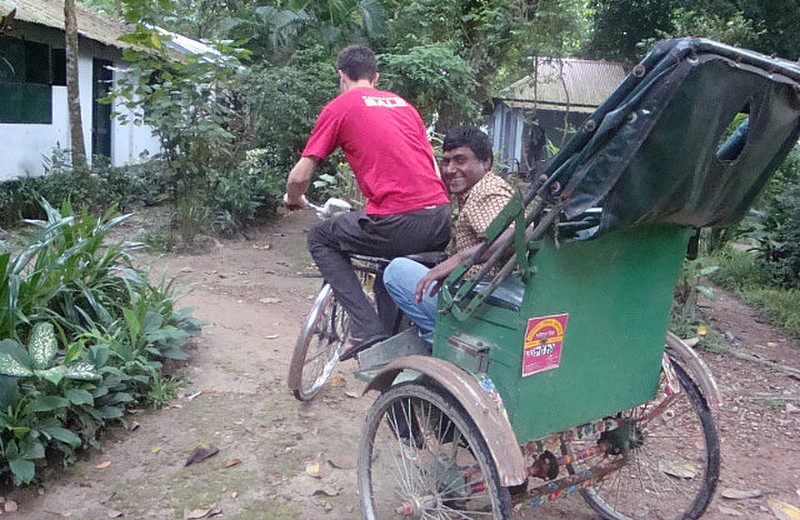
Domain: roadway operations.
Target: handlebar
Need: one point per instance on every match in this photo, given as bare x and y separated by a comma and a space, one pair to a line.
331, 208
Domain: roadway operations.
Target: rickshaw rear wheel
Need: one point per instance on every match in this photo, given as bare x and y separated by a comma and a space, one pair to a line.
316, 353
421, 456
672, 466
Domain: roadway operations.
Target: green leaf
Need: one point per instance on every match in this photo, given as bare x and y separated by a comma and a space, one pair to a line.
54, 375
82, 370
31, 449
110, 412
43, 345
152, 322
708, 292
9, 392
121, 397
63, 435
98, 355
14, 360
23, 469
47, 403
78, 396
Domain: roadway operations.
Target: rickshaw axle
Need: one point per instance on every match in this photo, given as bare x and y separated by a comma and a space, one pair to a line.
569, 484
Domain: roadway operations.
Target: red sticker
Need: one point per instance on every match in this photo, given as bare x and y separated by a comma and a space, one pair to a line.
543, 339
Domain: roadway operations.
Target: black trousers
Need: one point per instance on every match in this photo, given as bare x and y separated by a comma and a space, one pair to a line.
391, 236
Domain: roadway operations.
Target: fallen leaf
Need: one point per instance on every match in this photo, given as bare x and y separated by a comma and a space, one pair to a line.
343, 461
104, 464
232, 462
328, 492
203, 512
337, 381
738, 494
782, 510
691, 342
728, 511
155, 449
208, 391
314, 469
702, 330
676, 469
200, 454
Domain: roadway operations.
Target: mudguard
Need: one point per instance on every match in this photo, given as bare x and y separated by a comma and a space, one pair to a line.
478, 403
694, 365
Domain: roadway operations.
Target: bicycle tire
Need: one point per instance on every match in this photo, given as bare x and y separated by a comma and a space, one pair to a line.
422, 456
673, 465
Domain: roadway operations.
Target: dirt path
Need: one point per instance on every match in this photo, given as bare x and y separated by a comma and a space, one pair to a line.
255, 293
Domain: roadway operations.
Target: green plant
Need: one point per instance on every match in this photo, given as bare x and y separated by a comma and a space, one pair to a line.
37, 419
67, 283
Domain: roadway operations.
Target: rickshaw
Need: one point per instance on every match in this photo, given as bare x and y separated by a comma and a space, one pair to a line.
550, 373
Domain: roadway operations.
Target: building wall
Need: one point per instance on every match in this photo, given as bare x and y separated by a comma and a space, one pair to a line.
23, 146
510, 129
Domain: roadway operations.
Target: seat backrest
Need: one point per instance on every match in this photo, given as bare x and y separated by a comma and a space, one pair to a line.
656, 151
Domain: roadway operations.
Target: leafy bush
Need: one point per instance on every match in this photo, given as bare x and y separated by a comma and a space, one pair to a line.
126, 188
738, 270
85, 336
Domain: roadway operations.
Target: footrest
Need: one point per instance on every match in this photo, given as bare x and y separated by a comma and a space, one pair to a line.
406, 343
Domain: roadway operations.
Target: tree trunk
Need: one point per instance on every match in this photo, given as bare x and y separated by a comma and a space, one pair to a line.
73, 91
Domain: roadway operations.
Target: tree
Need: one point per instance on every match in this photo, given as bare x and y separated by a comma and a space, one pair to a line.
73, 90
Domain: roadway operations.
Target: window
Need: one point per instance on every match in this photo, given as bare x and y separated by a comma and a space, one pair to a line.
58, 59
25, 91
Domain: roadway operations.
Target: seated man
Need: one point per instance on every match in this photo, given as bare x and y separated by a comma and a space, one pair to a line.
481, 194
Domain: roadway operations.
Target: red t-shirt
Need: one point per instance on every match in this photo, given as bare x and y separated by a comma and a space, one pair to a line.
383, 138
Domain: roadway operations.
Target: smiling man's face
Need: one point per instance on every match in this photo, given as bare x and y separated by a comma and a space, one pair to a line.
462, 170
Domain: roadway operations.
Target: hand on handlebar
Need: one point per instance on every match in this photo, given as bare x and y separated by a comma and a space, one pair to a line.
301, 204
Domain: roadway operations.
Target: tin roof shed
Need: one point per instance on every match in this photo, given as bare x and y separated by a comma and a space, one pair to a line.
565, 84
50, 13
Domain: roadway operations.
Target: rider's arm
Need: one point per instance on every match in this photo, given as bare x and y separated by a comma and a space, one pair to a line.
437, 275
298, 181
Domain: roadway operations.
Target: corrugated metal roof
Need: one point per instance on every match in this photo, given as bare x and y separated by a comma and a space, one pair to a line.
582, 85
50, 13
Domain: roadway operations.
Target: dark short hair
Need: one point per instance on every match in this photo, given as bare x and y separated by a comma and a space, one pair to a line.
358, 62
473, 138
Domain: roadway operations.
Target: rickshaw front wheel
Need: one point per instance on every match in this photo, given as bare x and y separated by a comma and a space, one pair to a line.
671, 453
421, 456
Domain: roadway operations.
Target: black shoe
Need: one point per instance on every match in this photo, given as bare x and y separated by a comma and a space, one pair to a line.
362, 346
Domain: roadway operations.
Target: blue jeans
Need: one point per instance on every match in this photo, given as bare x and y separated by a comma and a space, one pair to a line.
400, 279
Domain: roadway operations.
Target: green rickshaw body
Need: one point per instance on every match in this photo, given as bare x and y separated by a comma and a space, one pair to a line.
589, 331
687, 141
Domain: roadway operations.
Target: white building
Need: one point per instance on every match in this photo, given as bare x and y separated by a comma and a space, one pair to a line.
33, 95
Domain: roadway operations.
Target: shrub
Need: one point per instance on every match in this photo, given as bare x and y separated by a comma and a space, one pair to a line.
85, 336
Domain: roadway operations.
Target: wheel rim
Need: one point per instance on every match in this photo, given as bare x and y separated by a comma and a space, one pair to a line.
672, 459
436, 468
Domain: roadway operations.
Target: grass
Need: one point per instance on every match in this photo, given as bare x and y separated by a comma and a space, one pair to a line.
742, 273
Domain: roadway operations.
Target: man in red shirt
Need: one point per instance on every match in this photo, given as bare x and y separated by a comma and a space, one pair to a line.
408, 209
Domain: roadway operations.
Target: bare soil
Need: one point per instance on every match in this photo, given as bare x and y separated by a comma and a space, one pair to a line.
255, 292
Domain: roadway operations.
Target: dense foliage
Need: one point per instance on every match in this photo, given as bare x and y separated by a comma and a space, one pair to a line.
84, 337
